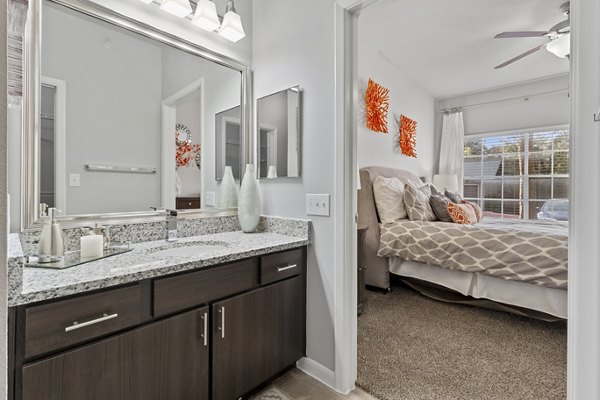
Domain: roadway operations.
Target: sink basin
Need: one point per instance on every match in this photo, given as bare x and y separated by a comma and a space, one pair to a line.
190, 251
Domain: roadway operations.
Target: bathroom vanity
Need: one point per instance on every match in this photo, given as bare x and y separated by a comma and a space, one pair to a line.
161, 322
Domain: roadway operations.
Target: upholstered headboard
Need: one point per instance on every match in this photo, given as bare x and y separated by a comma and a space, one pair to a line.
377, 273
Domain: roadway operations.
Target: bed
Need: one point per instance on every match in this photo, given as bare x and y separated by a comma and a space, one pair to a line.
515, 266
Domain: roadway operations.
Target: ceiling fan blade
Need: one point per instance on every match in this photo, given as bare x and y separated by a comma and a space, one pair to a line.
562, 27
522, 55
520, 34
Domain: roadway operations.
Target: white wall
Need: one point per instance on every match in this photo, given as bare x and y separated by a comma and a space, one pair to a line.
3, 211
536, 111
406, 97
294, 44
113, 100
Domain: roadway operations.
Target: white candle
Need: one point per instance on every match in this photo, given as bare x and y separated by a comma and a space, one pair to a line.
92, 246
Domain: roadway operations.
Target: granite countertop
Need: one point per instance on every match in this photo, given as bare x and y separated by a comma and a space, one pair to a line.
143, 262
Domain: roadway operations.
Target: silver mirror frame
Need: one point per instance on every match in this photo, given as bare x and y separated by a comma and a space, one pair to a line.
30, 151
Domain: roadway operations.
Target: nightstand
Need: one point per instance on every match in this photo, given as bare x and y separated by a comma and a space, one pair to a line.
361, 268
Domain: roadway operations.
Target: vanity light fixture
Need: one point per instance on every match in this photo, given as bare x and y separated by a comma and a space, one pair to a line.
179, 8
232, 28
206, 16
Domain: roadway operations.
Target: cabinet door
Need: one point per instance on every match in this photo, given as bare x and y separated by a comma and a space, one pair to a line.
164, 360
255, 336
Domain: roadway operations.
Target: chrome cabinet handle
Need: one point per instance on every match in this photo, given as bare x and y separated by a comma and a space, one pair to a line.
77, 325
281, 269
222, 327
204, 335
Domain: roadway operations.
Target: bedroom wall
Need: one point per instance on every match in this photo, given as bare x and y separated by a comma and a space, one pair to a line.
406, 97
522, 108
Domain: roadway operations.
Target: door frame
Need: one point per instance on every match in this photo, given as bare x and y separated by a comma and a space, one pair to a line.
60, 140
584, 252
169, 120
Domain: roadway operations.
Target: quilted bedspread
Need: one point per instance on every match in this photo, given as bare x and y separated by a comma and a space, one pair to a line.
528, 251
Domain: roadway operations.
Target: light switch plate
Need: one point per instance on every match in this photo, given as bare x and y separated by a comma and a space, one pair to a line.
210, 199
317, 204
74, 180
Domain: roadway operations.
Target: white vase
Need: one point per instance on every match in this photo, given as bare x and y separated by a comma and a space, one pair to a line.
249, 202
228, 192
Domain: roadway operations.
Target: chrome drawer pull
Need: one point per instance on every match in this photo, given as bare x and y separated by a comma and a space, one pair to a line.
77, 325
222, 327
205, 334
281, 269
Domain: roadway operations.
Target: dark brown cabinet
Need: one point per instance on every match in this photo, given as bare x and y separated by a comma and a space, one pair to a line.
255, 336
163, 360
213, 333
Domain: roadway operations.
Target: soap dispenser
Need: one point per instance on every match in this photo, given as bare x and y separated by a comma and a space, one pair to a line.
51, 245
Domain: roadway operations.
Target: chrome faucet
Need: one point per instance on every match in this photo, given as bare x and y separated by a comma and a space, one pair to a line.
171, 225
171, 218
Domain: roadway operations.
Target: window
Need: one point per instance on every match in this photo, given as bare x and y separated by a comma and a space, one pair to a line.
521, 175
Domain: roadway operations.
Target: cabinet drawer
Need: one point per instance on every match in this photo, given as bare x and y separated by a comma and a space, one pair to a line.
64, 323
275, 267
187, 203
191, 289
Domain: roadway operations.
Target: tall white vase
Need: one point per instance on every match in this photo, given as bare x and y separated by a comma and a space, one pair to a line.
249, 202
228, 192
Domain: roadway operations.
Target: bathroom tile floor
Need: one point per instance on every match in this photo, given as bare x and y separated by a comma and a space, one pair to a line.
296, 385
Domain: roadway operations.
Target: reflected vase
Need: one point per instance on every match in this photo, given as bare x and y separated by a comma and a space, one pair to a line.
228, 191
249, 201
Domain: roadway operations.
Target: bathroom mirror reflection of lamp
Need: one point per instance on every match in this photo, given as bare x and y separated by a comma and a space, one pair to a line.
279, 134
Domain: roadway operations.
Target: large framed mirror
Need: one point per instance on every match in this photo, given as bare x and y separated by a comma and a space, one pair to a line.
278, 134
120, 117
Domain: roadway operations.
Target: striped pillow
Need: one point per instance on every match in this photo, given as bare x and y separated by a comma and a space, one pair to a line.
462, 213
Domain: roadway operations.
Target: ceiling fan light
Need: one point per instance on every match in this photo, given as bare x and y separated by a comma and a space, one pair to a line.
206, 16
561, 46
179, 8
231, 28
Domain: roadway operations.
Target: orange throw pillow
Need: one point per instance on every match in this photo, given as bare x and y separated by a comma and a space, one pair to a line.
462, 213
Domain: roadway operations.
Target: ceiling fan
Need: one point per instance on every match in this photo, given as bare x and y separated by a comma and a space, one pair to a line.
558, 35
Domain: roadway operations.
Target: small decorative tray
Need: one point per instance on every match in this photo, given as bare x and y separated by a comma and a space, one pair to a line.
73, 258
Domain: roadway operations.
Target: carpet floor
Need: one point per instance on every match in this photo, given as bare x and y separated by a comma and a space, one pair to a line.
413, 347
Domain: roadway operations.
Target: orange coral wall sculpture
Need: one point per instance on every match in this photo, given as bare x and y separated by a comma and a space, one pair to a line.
377, 103
408, 136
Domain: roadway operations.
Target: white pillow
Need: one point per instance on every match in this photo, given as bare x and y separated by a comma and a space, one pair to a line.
389, 197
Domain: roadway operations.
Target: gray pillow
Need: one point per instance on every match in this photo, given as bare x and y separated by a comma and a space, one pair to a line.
439, 204
417, 204
454, 197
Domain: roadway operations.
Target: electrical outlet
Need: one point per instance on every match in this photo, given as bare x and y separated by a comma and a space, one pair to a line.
74, 180
317, 204
210, 199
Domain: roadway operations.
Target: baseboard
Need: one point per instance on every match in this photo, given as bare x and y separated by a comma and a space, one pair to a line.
317, 371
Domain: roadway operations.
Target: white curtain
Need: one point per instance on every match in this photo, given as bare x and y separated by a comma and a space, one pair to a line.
452, 146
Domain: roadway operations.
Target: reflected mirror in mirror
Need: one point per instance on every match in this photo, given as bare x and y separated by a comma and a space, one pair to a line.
278, 132
228, 143
125, 122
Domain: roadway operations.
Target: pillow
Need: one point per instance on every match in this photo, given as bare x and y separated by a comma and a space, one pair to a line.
389, 195
476, 208
416, 201
462, 213
454, 197
439, 204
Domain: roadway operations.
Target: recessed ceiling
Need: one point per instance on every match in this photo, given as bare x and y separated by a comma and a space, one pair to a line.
448, 46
